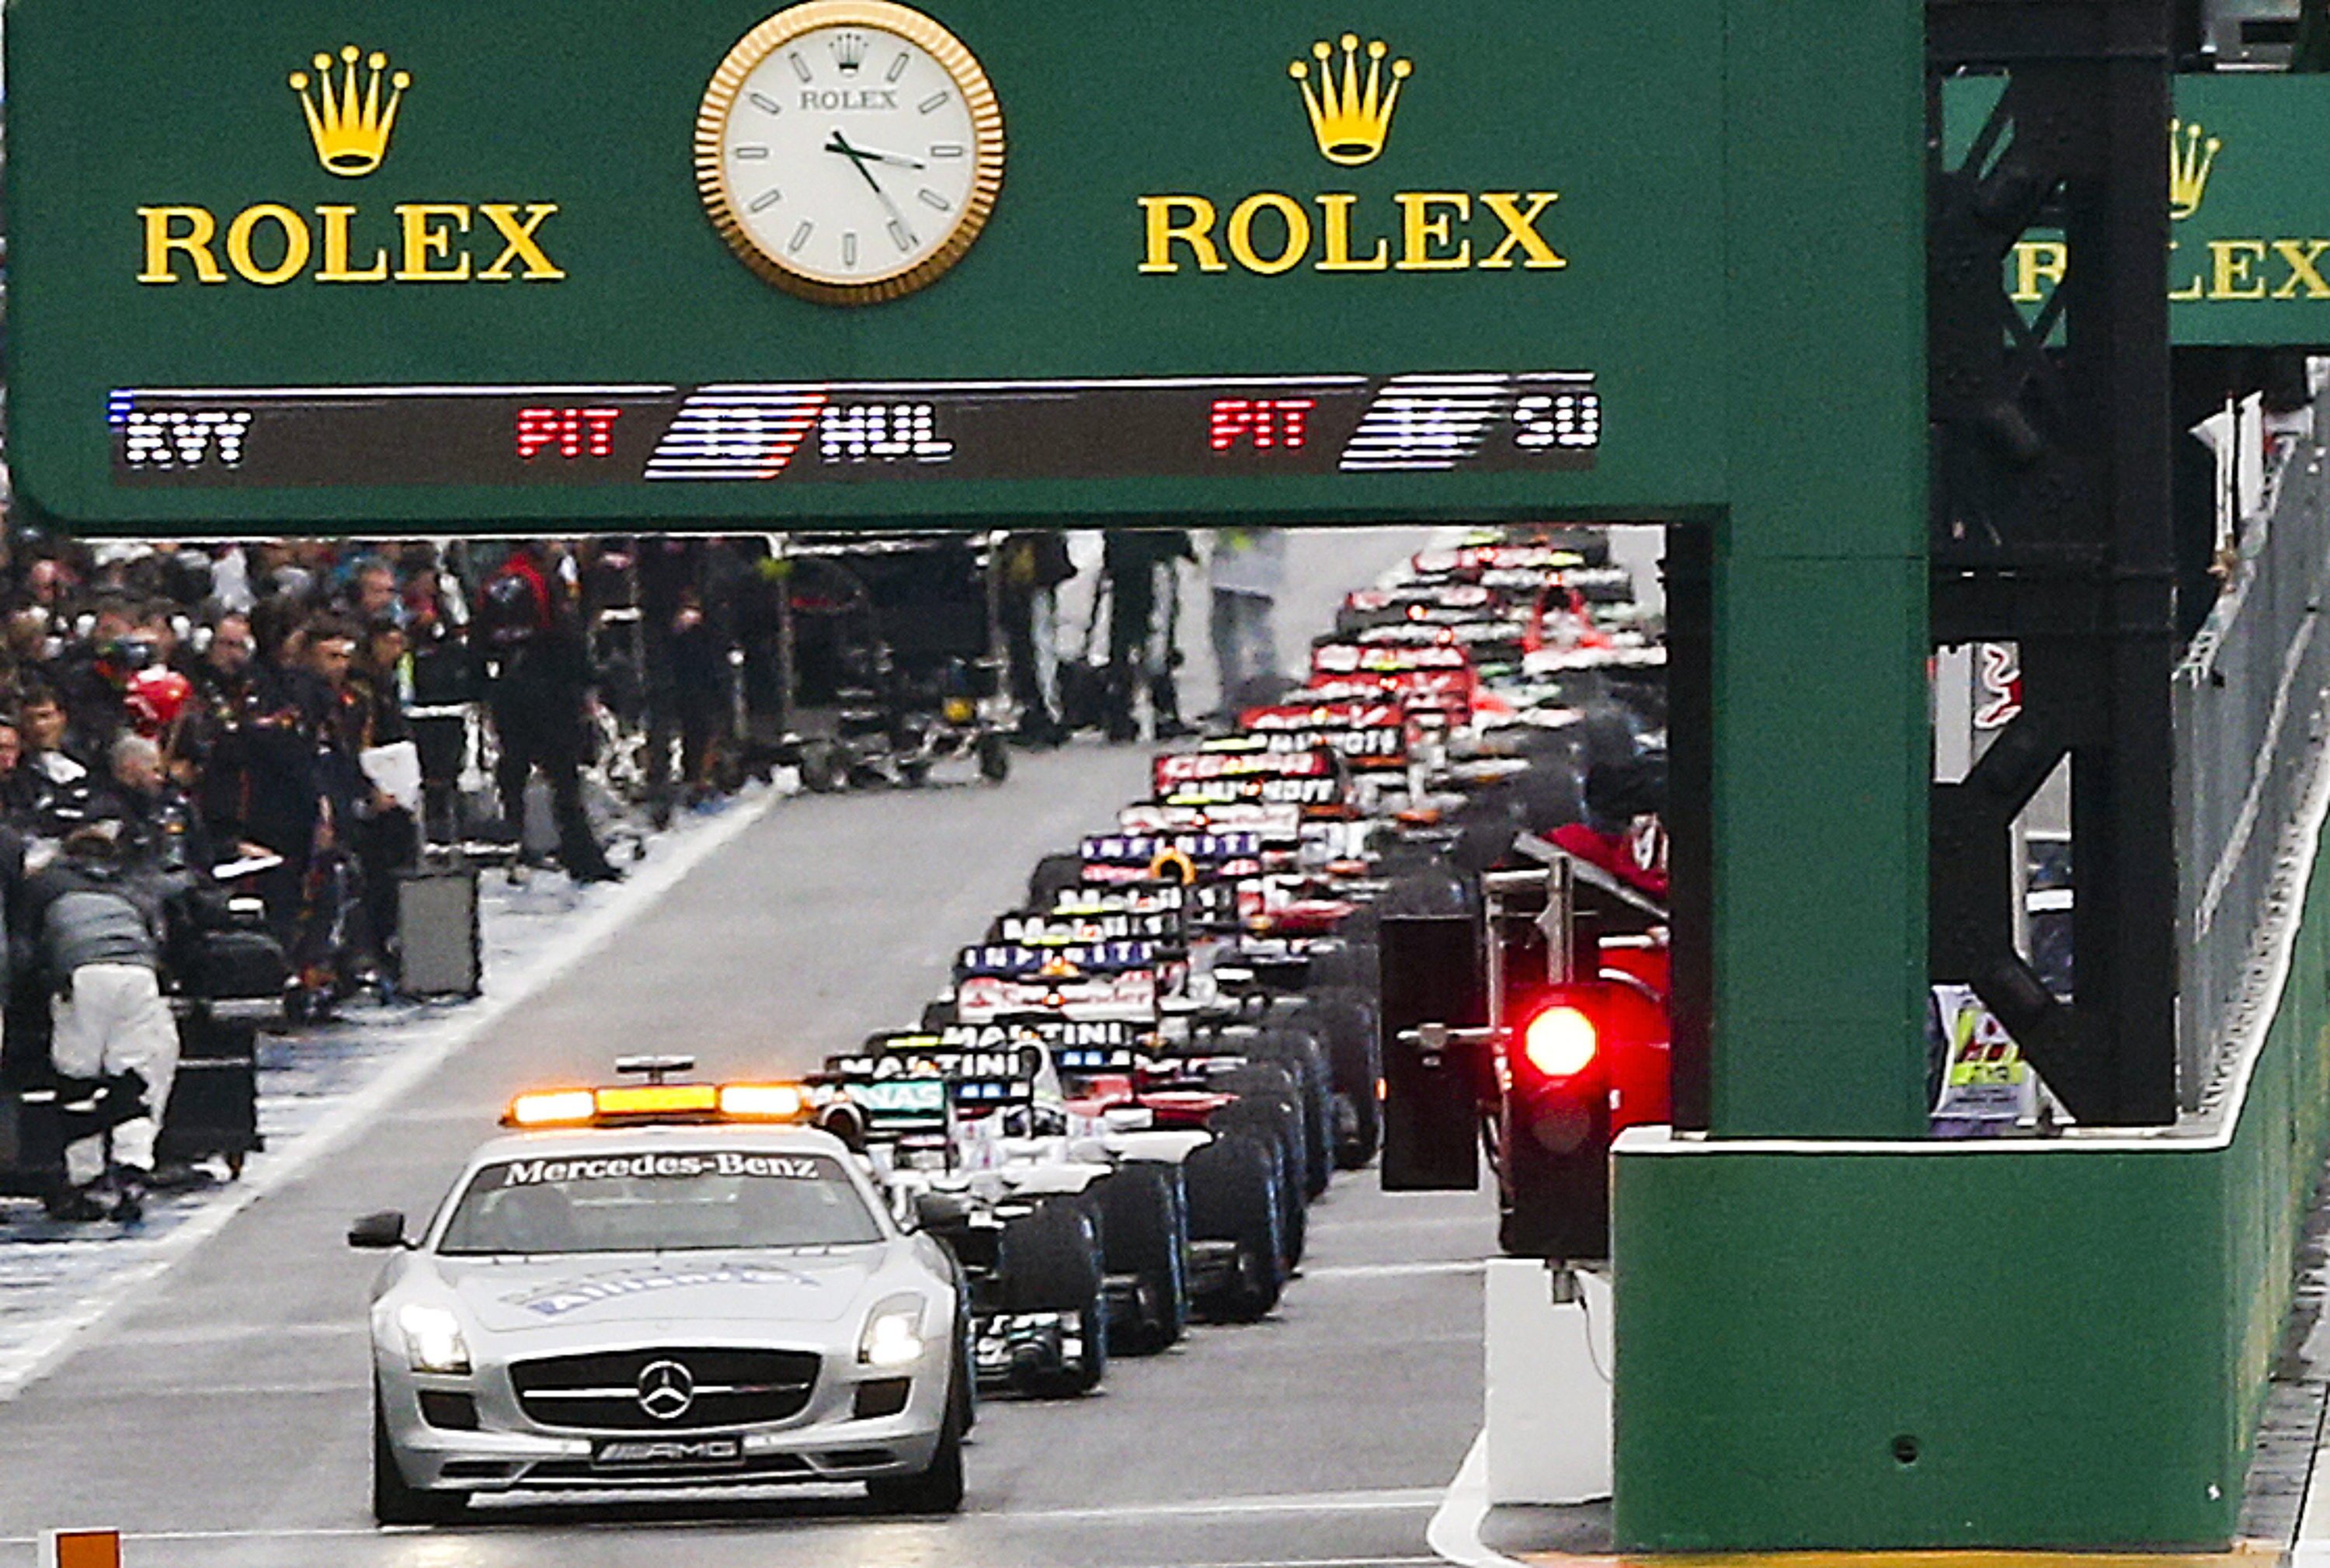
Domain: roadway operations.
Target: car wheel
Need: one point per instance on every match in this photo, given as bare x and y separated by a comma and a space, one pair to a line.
1267, 1108
938, 1489
1235, 1197
1054, 875
1146, 1236
395, 1501
1054, 1262
1298, 1048
1348, 1026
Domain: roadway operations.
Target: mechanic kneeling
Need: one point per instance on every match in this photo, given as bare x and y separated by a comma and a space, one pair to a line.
97, 924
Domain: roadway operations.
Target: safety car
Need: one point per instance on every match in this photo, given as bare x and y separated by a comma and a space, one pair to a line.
658, 1284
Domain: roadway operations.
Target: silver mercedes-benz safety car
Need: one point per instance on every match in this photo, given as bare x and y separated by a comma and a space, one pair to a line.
656, 1285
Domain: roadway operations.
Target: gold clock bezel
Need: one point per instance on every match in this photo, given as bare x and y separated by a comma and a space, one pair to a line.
881, 15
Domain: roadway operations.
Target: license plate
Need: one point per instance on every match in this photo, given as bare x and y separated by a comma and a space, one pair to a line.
708, 1452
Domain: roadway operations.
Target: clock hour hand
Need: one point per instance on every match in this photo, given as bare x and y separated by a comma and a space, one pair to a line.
840, 144
857, 159
868, 155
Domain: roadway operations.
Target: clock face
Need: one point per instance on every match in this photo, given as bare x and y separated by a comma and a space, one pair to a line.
850, 150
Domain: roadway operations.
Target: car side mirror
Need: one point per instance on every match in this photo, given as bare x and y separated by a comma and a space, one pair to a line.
380, 1232
938, 1211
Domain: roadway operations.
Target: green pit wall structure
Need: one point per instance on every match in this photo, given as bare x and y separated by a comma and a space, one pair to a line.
2071, 1337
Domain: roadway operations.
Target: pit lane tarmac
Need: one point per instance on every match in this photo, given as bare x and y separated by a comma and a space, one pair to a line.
224, 1419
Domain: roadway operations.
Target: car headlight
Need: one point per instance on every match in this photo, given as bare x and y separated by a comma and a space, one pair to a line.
432, 1339
894, 1333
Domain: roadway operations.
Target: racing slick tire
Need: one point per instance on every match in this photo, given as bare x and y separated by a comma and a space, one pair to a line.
1053, 1261
1302, 1048
1053, 875
1236, 1196
1267, 1110
395, 1501
994, 756
937, 1489
1347, 1023
1144, 1229
1293, 1046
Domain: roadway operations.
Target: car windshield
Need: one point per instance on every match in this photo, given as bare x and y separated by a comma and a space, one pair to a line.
673, 1200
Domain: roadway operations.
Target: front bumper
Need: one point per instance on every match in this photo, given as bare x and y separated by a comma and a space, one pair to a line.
509, 1450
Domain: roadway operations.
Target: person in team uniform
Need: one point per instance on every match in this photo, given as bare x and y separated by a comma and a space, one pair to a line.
1142, 566
527, 625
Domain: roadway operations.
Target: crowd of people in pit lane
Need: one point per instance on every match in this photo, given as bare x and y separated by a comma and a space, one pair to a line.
298, 714
293, 718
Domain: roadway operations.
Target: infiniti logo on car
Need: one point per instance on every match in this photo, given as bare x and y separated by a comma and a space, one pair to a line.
667, 1390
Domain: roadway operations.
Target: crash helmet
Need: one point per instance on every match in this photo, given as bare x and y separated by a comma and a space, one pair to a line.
156, 697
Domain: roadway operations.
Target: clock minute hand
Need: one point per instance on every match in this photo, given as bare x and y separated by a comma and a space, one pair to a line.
858, 160
838, 144
897, 161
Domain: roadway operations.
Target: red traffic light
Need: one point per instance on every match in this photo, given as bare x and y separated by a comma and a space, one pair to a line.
1561, 1041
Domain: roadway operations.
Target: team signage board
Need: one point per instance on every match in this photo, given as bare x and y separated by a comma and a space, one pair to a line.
402, 261
2248, 199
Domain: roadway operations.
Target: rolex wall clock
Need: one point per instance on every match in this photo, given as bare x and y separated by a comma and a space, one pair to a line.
850, 150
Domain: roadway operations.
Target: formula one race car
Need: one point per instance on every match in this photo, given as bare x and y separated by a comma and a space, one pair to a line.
1084, 1229
661, 1284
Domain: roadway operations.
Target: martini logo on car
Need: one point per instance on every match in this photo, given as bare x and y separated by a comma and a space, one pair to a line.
351, 108
1349, 95
1040, 1032
890, 1059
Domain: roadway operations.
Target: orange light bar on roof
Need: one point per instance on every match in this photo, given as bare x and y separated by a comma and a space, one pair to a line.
553, 1107
762, 1101
659, 1100
566, 1107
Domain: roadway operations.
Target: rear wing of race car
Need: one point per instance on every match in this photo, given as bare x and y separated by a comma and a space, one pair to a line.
1189, 858
1028, 929
1138, 897
1073, 960
1246, 770
912, 1088
1274, 825
1370, 736
1129, 996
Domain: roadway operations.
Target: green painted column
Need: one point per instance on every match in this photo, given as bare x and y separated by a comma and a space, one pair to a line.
1820, 693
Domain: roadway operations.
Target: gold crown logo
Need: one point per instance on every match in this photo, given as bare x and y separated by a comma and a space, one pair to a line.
350, 122
1351, 118
2192, 154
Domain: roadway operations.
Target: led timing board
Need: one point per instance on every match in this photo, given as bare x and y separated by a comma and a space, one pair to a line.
859, 262
1040, 430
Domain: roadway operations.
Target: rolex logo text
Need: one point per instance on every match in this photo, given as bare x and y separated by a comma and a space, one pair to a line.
350, 105
1351, 98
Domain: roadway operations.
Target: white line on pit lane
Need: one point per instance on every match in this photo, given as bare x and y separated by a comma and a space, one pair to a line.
239, 1333
365, 1108
1455, 1531
1415, 1499
1391, 1270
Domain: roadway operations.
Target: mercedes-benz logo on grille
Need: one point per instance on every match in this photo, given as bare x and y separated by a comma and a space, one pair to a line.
667, 1390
